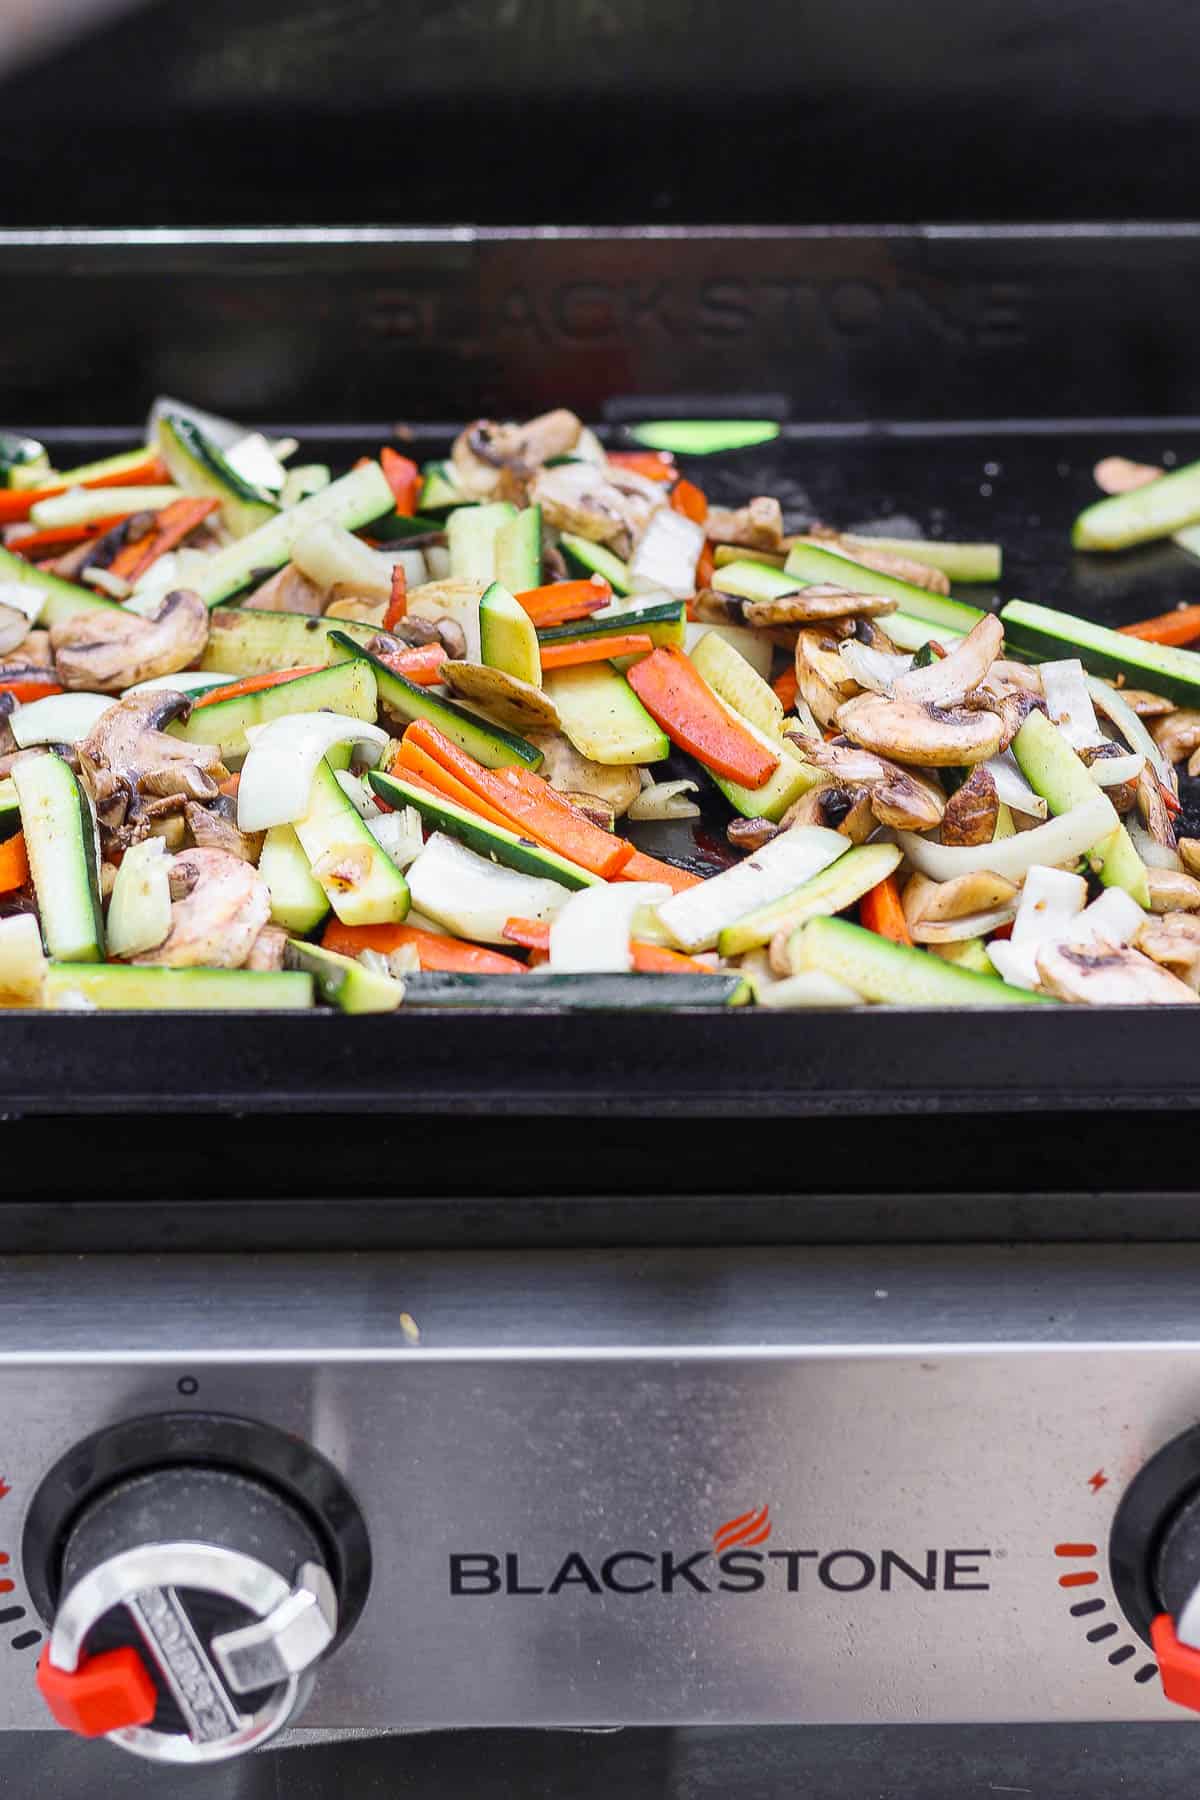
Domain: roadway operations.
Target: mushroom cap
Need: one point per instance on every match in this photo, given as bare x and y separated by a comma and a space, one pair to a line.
106, 652
814, 604
222, 905
1105, 976
930, 736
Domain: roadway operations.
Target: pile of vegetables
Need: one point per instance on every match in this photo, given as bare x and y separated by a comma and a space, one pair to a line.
270, 738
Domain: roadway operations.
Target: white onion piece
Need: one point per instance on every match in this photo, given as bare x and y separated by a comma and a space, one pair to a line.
1051, 900
139, 912
812, 987
1111, 771
358, 794
23, 597
589, 449
58, 719
878, 670
115, 586
22, 961
802, 715
1114, 919
399, 835
416, 569
1113, 704
253, 457
971, 925
1070, 704
667, 555
277, 775
1152, 853
666, 800
591, 935
437, 561
1012, 789
1059, 840
474, 898
330, 555
697, 917
1014, 963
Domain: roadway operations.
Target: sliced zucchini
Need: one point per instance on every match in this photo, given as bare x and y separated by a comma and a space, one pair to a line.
404, 701
746, 578
536, 992
354, 500
587, 558
347, 688
813, 565
704, 437
303, 480
439, 490
249, 641
663, 623
471, 534
361, 882
122, 987
1039, 634
967, 953
105, 468
960, 562
603, 717
754, 646
519, 551
790, 782
508, 638
298, 901
394, 528
830, 891
201, 467
343, 982
10, 808
60, 841
63, 599
1154, 511
894, 974
1053, 770
730, 677
24, 456
697, 917
506, 847
80, 506
914, 634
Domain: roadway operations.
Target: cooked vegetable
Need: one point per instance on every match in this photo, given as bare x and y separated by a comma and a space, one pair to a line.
404, 701
672, 692
1038, 632
1052, 768
603, 718
549, 992
832, 890
961, 562
360, 881
134, 989
895, 974
343, 982
697, 918
1153, 510
500, 842
1179, 627
474, 897
880, 911
139, 909
434, 950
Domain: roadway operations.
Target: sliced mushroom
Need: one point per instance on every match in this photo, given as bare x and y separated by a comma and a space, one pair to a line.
565, 769
931, 736
223, 905
972, 811
929, 902
126, 751
502, 696
1012, 709
1104, 976
1189, 854
1009, 677
821, 676
288, 590
215, 828
599, 811
1118, 475
1155, 814
757, 526
1177, 734
580, 498
104, 652
33, 657
485, 449
8, 743
14, 629
815, 604
849, 811
712, 608
1144, 704
898, 797
1173, 941
755, 834
1124, 794
268, 949
1171, 890
363, 607
949, 680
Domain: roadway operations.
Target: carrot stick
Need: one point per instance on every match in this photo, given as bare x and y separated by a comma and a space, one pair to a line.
880, 911
589, 650
668, 686
62, 537
786, 688
229, 788
691, 501
648, 959
705, 568
641, 867
252, 684
403, 477
655, 465
398, 604
14, 864
531, 934
531, 805
562, 601
173, 524
435, 952
421, 664
29, 689
1178, 627
16, 502
413, 760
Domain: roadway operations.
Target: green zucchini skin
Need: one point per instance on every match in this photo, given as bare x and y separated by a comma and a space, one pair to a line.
244, 640
662, 624
815, 565
121, 987
347, 688
1039, 634
199, 467
478, 834
576, 993
586, 558
63, 599
895, 975
60, 839
403, 700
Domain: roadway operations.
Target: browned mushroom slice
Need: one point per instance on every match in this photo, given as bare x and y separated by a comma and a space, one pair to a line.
1155, 814
1104, 976
756, 526
1172, 890
815, 604
219, 906
950, 679
580, 498
362, 607
711, 608
503, 697
972, 811
929, 736
599, 811
570, 773
104, 652
268, 949
126, 750
1189, 854
14, 629
1124, 794
754, 834
288, 590
1177, 734
929, 902
1145, 704
822, 677
215, 828
1173, 941
485, 449
898, 797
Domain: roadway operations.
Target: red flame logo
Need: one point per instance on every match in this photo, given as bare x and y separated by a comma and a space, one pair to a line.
748, 1528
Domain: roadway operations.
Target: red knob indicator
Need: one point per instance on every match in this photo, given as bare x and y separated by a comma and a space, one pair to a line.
105, 1693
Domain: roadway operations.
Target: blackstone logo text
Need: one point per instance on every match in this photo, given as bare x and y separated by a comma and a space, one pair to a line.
741, 1571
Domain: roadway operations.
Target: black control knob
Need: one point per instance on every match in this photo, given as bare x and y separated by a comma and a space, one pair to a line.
1155, 1561
195, 1570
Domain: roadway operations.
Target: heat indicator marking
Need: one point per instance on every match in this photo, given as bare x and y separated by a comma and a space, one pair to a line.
1087, 1606
1097, 1481
1122, 1655
1100, 1632
1081, 1578
1074, 1549
1086, 1609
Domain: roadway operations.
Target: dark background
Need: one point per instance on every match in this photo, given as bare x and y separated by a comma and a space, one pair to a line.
609, 111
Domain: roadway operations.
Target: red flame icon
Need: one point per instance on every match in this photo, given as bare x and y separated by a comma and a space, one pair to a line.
748, 1528
4, 1488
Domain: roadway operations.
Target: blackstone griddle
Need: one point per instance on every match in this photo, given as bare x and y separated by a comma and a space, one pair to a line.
685, 1371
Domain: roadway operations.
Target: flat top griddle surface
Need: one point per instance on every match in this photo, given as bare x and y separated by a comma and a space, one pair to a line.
1021, 488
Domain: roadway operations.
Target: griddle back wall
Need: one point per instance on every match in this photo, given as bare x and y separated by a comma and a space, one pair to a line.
607, 111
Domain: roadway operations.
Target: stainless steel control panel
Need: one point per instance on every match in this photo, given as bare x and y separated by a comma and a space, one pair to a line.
756, 1486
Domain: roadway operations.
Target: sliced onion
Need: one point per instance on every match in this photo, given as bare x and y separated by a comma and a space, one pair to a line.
416, 569
22, 961
1052, 913
591, 934
951, 678
1112, 703
437, 561
667, 555
878, 670
474, 898
330, 555
1114, 919
1059, 840
58, 719
358, 794
1051, 900
115, 586
1111, 771
1070, 704
277, 775
254, 458
1012, 789
23, 597
665, 800
812, 987
1152, 853
188, 681
139, 912
954, 931
399, 835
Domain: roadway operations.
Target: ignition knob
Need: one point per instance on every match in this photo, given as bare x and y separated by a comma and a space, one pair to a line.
191, 1602
1155, 1559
